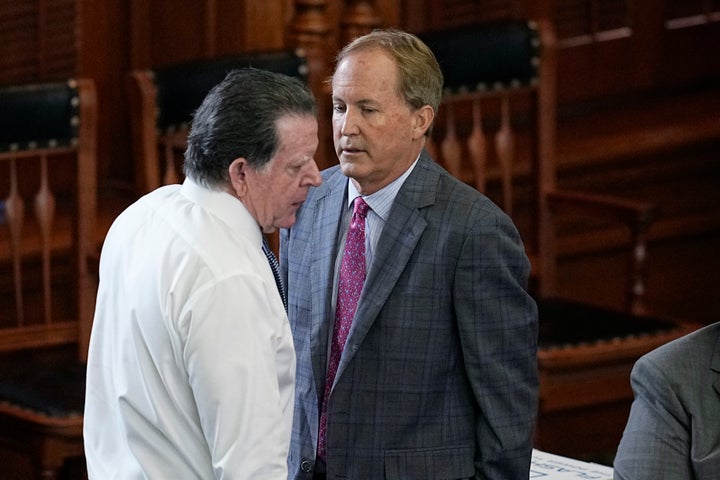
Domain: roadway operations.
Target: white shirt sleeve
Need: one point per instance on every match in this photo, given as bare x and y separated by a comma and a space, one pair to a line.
232, 350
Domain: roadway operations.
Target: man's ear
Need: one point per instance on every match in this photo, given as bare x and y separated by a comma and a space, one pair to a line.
423, 120
238, 171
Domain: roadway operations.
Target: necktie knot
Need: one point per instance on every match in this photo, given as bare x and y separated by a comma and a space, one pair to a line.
360, 207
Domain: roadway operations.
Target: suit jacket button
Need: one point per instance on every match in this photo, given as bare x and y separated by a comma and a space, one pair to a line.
306, 466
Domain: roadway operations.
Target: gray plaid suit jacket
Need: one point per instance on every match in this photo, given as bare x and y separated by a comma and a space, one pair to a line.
674, 427
438, 379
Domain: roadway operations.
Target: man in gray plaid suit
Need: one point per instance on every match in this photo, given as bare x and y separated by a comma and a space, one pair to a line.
438, 375
674, 426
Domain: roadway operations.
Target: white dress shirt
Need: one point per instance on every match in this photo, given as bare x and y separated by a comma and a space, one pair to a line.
191, 366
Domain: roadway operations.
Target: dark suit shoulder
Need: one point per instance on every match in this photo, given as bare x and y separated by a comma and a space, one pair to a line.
688, 347
475, 204
330, 172
433, 177
684, 364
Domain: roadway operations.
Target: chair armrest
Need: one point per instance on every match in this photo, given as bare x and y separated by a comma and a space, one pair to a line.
143, 112
636, 214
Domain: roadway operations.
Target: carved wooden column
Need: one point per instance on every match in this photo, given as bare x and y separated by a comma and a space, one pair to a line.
358, 18
310, 29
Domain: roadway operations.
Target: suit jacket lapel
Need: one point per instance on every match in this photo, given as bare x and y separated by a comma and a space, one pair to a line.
396, 244
715, 365
327, 208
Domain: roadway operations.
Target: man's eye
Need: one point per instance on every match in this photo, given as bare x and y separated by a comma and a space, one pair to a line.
294, 169
338, 108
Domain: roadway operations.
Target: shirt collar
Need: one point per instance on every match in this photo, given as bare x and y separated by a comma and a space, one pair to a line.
229, 209
381, 201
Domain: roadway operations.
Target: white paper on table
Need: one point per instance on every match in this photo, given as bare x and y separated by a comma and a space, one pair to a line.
548, 466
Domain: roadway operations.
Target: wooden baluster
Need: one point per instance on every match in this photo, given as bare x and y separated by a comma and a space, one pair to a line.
505, 146
638, 261
310, 30
49, 473
360, 17
15, 215
450, 146
45, 214
477, 147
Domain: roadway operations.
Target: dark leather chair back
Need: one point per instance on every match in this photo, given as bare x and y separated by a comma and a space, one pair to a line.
38, 116
182, 87
48, 253
498, 55
163, 100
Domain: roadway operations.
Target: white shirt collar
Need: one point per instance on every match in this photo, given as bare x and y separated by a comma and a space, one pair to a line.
226, 207
381, 201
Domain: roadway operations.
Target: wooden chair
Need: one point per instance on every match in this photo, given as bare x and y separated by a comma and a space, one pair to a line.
162, 102
496, 131
48, 285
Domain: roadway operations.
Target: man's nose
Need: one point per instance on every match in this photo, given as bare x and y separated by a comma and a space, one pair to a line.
313, 175
348, 123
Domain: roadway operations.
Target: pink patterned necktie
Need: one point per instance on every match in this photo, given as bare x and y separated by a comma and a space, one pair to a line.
351, 279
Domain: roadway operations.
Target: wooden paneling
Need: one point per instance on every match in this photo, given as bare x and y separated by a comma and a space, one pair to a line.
422, 15
607, 47
600, 45
634, 118
690, 30
169, 31
37, 40
103, 56
620, 46
610, 51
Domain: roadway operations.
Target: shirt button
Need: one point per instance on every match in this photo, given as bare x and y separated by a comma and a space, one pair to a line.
306, 466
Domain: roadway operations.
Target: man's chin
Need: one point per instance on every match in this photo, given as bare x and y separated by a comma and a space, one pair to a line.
286, 222
348, 166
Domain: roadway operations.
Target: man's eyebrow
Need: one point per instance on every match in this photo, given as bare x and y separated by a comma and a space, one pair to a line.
300, 161
361, 102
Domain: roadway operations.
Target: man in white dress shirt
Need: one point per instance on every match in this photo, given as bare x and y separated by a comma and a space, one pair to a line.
191, 366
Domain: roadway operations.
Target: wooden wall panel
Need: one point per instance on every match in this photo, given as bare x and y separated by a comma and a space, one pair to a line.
37, 40
422, 15
178, 31
610, 49
691, 29
607, 47
621, 46
103, 55
601, 51
169, 31
59, 44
